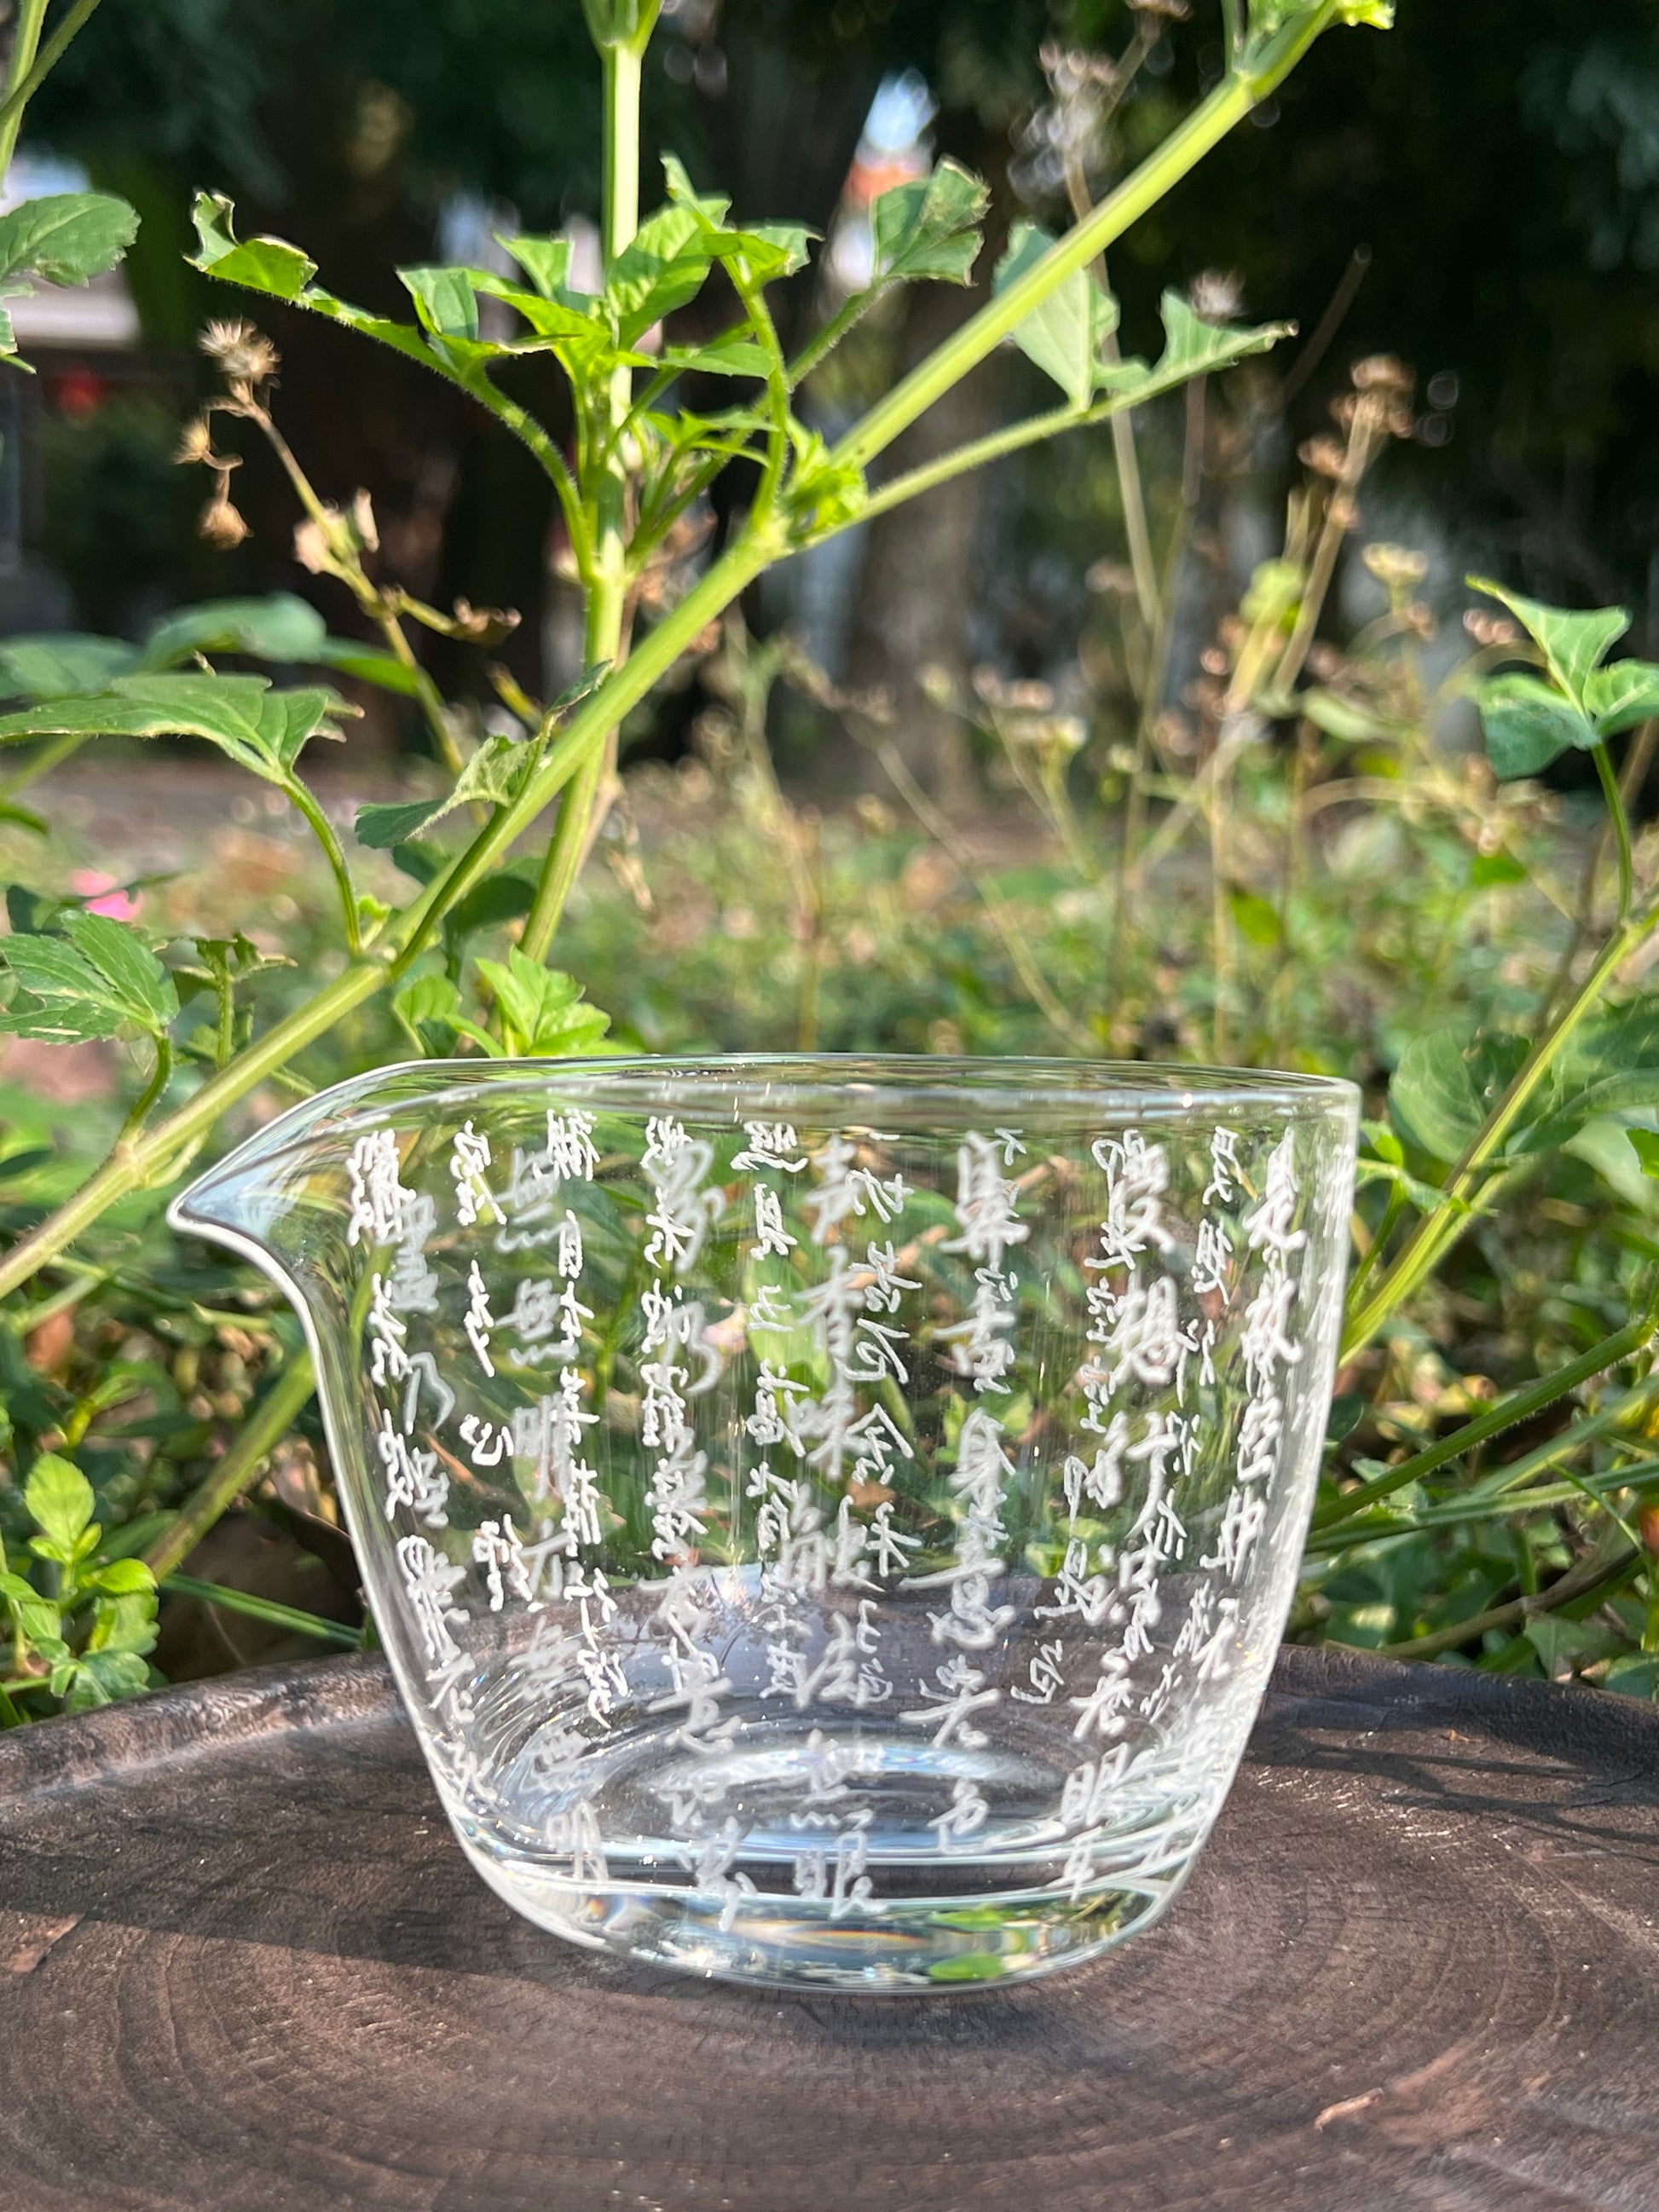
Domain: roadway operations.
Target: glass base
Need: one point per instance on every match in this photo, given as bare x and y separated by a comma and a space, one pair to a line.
920, 1944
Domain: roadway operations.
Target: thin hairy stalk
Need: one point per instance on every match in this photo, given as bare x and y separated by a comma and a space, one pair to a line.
940, 827
1209, 122
1519, 1406
23, 73
1434, 1236
323, 830
42, 761
139, 1112
606, 613
1132, 492
1339, 520
263, 1430
823, 343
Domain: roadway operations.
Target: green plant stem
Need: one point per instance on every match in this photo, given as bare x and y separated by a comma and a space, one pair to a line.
823, 343
263, 1430
1433, 1237
22, 73
1209, 122
1620, 821
1519, 1406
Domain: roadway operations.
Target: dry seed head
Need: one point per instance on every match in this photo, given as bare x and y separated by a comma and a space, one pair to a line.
1068, 69
363, 523
1176, 11
246, 355
1218, 295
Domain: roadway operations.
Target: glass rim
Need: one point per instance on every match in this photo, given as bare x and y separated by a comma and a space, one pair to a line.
921, 1091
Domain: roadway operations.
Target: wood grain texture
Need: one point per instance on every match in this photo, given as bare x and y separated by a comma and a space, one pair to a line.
243, 1967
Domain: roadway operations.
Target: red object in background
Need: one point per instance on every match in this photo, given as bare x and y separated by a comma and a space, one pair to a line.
79, 393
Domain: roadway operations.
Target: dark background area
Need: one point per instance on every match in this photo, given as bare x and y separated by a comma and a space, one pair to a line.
1498, 159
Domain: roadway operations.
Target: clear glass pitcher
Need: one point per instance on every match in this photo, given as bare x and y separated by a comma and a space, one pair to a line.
830, 1520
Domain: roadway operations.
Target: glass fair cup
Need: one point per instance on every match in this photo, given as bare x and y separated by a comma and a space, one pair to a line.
830, 1520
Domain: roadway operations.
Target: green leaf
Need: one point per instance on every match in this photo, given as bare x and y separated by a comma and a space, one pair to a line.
72, 1003
710, 209
34, 1618
929, 229
734, 357
1063, 334
264, 265
282, 627
823, 493
663, 268
1344, 719
101, 1678
1572, 644
59, 1499
428, 999
491, 778
260, 729
67, 237
121, 1578
126, 1622
1645, 1144
444, 300
135, 977
57, 667
1492, 870
1192, 347
1528, 724
544, 261
1618, 697
541, 1013
1445, 1086
1254, 917
368, 665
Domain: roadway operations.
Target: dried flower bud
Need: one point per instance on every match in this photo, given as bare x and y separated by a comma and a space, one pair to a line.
1489, 629
1030, 698
221, 524
1343, 410
1213, 661
1419, 620
1218, 295
1177, 11
1111, 577
363, 523
1325, 455
311, 548
1395, 565
483, 625
245, 355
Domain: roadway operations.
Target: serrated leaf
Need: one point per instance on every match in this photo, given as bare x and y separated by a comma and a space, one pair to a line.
1192, 347
102, 1678
491, 778
928, 228
59, 668
137, 979
263, 265
66, 237
72, 1003
1062, 335
541, 1013
1527, 723
428, 999
708, 207
1572, 644
727, 357
260, 729
282, 627
1618, 697
59, 1499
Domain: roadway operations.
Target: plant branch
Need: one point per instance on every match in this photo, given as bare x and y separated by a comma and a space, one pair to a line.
1620, 821
263, 1430
323, 830
1203, 129
24, 72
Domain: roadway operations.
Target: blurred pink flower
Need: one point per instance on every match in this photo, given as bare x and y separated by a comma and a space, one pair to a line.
119, 905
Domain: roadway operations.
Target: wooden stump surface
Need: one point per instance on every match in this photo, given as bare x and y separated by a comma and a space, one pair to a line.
243, 1967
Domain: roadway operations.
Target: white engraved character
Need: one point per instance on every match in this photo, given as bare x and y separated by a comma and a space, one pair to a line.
469, 1155
675, 1165
479, 1319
